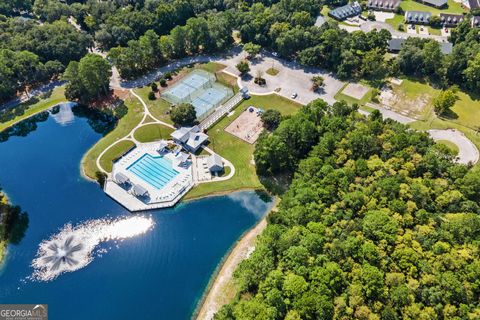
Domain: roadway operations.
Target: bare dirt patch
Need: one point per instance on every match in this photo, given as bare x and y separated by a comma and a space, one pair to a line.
400, 103
355, 90
247, 126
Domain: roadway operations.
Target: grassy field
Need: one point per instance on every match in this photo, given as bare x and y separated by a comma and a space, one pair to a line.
152, 132
350, 100
125, 125
158, 108
57, 96
237, 151
118, 149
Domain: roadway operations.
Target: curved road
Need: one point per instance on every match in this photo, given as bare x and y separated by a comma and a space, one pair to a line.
468, 152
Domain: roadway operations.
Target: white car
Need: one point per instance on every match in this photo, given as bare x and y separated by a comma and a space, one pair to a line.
294, 95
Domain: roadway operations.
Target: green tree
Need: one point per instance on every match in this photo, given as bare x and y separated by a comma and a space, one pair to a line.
271, 119
183, 115
243, 67
252, 49
317, 82
87, 79
472, 73
445, 101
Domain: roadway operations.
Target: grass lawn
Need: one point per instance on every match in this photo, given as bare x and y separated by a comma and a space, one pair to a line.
152, 132
222, 77
411, 5
272, 71
237, 151
57, 96
124, 126
435, 31
465, 112
350, 100
158, 108
450, 145
115, 152
452, 7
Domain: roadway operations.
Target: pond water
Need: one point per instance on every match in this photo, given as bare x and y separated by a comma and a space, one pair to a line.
159, 272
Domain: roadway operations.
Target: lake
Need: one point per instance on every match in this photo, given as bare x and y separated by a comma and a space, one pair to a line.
158, 274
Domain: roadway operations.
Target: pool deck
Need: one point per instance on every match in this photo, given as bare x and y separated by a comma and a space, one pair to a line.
167, 196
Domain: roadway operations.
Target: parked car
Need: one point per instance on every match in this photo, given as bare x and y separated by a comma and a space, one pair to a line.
294, 95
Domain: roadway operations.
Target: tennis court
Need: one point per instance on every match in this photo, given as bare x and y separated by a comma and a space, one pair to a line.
200, 89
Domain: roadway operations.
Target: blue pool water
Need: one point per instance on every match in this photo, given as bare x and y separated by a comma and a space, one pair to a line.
158, 275
156, 171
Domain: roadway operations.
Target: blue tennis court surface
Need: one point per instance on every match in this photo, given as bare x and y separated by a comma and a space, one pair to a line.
156, 171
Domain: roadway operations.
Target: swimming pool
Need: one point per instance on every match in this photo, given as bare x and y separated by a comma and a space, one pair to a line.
156, 171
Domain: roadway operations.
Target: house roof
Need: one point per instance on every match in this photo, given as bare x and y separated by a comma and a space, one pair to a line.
181, 134
121, 178
215, 162
474, 4
476, 21
181, 157
196, 139
138, 190
384, 4
449, 18
346, 11
436, 3
418, 16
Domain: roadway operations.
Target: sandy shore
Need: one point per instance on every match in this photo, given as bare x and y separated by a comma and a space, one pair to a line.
222, 291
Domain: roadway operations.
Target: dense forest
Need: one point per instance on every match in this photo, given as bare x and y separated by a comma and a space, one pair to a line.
378, 223
39, 38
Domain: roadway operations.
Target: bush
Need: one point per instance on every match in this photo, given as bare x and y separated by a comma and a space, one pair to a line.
151, 95
163, 82
168, 75
101, 178
401, 27
154, 87
243, 67
271, 119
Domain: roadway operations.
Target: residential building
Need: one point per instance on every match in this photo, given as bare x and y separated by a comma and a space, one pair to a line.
451, 20
191, 138
346, 11
434, 3
383, 5
417, 17
471, 4
215, 163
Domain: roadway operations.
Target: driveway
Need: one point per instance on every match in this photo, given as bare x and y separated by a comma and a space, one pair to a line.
368, 26
468, 152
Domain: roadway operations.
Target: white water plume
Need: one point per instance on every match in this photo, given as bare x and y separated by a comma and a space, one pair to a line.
73, 247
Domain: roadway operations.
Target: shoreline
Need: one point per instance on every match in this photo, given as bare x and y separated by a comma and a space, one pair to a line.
222, 276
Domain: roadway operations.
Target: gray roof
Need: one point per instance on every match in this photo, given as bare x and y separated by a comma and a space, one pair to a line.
121, 178
476, 21
474, 4
449, 18
346, 11
418, 16
196, 140
138, 190
383, 4
181, 157
181, 134
215, 162
436, 3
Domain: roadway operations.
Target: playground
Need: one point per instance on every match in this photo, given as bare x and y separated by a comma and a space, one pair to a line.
247, 126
